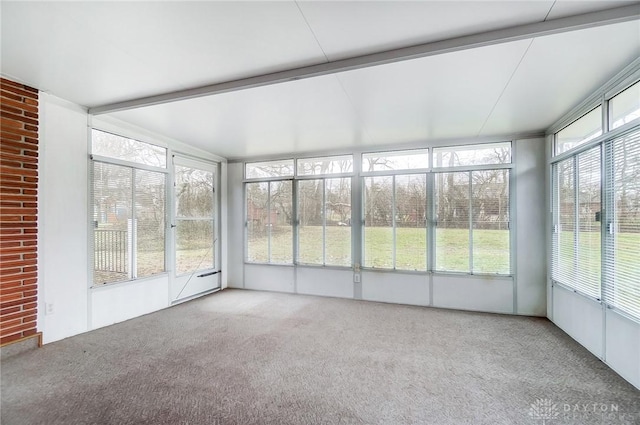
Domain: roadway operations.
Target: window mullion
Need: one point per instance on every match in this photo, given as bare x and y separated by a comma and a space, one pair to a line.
269, 222
324, 221
470, 222
393, 221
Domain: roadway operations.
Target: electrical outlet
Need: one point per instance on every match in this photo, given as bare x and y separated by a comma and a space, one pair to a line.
48, 308
356, 277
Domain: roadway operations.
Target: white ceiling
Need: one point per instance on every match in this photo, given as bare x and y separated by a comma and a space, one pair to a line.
95, 53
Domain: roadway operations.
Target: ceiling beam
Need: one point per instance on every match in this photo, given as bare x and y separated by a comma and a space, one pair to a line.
488, 38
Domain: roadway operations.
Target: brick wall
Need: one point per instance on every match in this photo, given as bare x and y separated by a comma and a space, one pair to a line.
18, 210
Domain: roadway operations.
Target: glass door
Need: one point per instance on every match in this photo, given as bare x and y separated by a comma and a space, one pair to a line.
195, 229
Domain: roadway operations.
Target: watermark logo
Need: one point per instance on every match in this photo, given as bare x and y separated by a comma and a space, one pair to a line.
544, 410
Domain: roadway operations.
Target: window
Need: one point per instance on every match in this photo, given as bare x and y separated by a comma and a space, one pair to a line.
398, 160
596, 205
472, 221
324, 217
470, 205
470, 155
622, 257
625, 107
125, 149
579, 132
128, 222
323, 166
257, 170
269, 222
577, 212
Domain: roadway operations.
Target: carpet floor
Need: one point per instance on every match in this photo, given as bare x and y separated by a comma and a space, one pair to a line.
247, 357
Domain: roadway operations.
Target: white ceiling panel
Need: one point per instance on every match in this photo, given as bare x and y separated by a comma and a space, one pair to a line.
353, 28
446, 96
562, 8
94, 53
301, 116
50, 51
558, 72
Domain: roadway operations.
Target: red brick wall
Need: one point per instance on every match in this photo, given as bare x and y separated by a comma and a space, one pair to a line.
18, 210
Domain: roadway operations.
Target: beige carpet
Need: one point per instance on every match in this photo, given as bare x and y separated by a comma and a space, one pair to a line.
245, 357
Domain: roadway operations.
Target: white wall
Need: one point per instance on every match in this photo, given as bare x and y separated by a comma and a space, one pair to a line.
609, 335
63, 243
63, 219
531, 254
524, 293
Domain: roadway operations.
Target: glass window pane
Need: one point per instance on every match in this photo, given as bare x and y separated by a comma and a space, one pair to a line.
310, 231
326, 165
256, 170
397, 160
490, 210
280, 223
194, 246
112, 219
149, 225
113, 146
452, 230
411, 229
338, 222
378, 216
625, 107
258, 222
194, 193
460, 156
586, 128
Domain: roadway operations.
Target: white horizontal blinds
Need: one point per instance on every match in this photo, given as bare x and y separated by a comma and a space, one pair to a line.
490, 221
622, 259
267, 169
112, 222
564, 238
311, 221
588, 244
337, 223
452, 234
280, 221
410, 222
149, 224
378, 222
257, 205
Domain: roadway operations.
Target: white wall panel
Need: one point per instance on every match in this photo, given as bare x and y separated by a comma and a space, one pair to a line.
325, 282
491, 294
235, 220
623, 346
580, 317
531, 255
398, 288
269, 277
63, 206
116, 303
